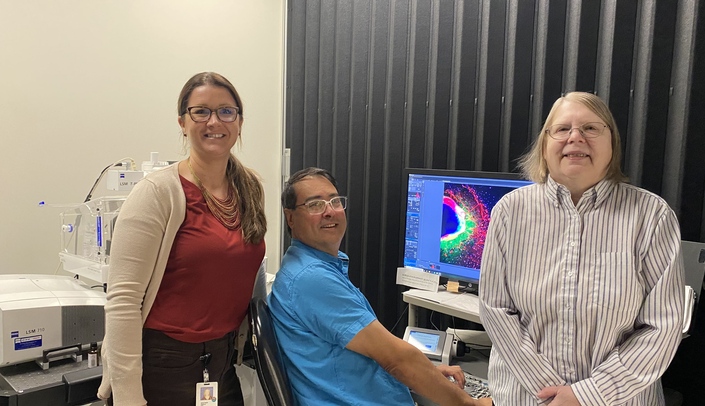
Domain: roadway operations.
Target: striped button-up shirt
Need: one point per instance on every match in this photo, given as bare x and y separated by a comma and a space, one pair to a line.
587, 295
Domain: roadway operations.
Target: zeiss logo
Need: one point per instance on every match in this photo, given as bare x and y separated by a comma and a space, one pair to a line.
14, 334
28, 342
122, 176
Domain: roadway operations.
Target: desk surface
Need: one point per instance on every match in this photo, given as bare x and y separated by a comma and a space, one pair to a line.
462, 305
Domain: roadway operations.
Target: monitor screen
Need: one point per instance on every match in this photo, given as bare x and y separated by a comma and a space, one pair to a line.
424, 341
447, 213
430, 342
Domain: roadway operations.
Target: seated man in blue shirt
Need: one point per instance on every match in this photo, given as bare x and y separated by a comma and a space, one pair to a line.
335, 350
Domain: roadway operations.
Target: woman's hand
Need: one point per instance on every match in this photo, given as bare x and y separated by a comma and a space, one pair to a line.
558, 396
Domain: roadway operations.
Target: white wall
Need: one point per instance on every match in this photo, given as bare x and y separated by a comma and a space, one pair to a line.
84, 83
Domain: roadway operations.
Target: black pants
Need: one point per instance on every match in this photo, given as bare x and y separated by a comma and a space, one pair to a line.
171, 369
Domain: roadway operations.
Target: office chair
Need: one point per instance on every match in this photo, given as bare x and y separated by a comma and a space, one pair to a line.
268, 359
694, 262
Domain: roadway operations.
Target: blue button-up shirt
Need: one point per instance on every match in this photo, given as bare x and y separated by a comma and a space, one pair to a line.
316, 312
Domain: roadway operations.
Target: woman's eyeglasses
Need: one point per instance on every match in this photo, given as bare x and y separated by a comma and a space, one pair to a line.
200, 114
588, 130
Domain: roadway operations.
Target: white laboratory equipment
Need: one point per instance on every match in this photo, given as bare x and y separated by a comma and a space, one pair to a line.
87, 228
44, 318
57, 320
86, 236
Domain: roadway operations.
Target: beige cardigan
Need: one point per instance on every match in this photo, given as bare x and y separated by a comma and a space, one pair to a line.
145, 231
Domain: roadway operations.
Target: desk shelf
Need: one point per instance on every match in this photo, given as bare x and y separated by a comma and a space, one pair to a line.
462, 305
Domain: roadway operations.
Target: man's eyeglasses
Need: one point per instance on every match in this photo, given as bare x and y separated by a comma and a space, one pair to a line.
200, 114
318, 206
588, 130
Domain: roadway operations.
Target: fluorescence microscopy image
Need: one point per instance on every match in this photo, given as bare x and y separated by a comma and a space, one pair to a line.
466, 216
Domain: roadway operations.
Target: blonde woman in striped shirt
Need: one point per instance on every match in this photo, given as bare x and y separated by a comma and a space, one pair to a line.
582, 274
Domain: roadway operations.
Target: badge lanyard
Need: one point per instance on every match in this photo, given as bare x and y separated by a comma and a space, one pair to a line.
206, 391
205, 359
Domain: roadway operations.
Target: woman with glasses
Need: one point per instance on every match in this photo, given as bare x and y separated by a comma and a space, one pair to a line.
186, 249
582, 277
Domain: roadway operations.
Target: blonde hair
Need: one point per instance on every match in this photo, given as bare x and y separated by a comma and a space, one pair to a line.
533, 165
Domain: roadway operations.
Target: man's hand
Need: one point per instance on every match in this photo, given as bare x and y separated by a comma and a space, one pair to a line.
459, 376
455, 372
559, 396
483, 402
409, 366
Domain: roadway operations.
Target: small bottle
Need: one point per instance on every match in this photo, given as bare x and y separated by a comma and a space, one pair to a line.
93, 356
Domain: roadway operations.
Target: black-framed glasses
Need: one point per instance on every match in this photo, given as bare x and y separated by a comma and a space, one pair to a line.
318, 206
200, 114
588, 130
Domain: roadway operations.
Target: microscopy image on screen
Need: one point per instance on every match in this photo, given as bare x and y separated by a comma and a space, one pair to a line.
466, 216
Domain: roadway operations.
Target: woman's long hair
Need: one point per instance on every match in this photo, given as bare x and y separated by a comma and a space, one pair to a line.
249, 193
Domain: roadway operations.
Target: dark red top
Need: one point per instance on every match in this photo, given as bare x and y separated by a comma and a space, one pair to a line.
209, 277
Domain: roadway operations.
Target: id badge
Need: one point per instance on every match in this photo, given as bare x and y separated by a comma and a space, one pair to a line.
207, 394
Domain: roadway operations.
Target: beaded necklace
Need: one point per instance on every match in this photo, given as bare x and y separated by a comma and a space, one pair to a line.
223, 210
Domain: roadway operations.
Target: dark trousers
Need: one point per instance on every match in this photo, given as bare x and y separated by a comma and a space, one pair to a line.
171, 369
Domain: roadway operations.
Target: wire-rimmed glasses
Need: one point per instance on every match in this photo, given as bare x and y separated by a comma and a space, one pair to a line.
200, 114
588, 130
318, 206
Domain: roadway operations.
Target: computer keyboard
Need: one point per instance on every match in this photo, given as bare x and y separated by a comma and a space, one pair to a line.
476, 387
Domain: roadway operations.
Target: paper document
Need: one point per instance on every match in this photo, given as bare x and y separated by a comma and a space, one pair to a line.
417, 278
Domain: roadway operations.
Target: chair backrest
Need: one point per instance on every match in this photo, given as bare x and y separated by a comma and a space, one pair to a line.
268, 359
694, 261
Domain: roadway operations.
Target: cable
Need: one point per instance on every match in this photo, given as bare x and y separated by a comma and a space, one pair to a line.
469, 349
102, 173
58, 267
400, 317
430, 319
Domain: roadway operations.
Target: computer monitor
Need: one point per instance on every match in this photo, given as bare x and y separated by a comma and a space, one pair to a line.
447, 213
